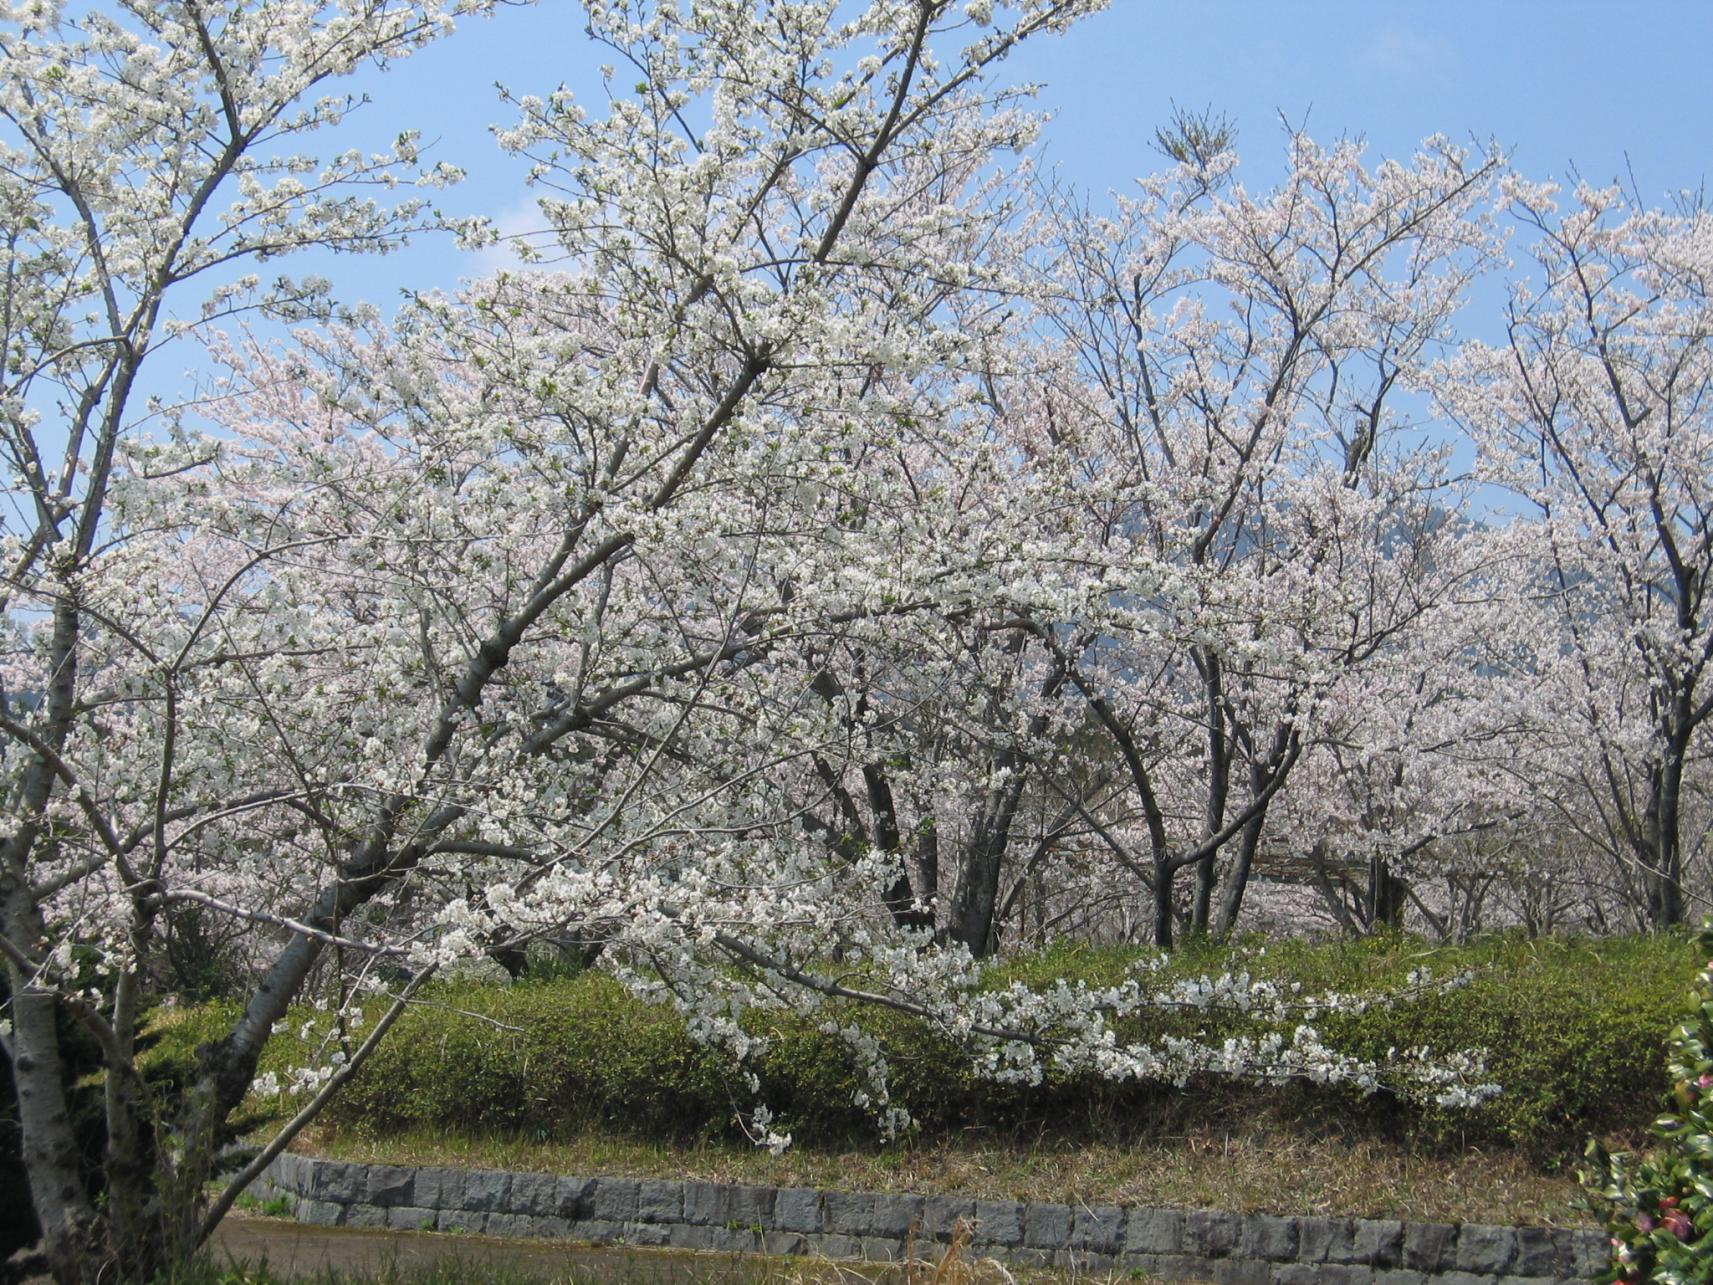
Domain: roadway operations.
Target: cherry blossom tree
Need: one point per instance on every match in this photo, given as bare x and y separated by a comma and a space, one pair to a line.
1594, 415
1252, 518
634, 599
1414, 777
274, 678
148, 158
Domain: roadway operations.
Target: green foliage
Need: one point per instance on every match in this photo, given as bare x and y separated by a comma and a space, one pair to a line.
537, 1057
1659, 1210
1561, 1022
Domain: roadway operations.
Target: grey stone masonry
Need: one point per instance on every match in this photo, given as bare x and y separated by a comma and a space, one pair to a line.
1229, 1248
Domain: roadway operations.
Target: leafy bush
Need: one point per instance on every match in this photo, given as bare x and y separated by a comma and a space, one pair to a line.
1561, 1022
1659, 1211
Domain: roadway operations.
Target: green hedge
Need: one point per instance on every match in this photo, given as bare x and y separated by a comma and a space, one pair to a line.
1560, 1021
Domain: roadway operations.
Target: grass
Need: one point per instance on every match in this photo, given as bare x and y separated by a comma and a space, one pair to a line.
1269, 1165
478, 1263
567, 1074
273, 1207
461, 1270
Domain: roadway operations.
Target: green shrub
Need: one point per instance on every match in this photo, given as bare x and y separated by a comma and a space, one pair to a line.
1659, 1211
1561, 1023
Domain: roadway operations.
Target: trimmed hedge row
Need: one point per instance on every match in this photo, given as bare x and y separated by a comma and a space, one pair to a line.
1573, 1032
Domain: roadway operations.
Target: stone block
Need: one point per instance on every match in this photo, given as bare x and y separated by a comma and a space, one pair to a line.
849, 1213
1154, 1231
721, 1204
705, 1203
337, 1181
364, 1215
659, 1201
1589, 1252
782, 1243
284, 1171
1210, 1233
1097, 1229
998, 1222
687, 1236
1242, 1271
1429, 1247
1171, 1267
389, 1185
486, 1190
1046, 1226
649, 1235
1268, 1237
309, 1175
942, 1214
1320, 1274
614, 1200
594, 1231
299, 1170
1379, 1242
750, 1205
1484, 1250
797, 1209
469, 1220
574, 1198
1326, 1240
893, 1216
536, 1194
410, 1218
1542, 1251
881, 1249
514, 1225
436, 1188
1401, 1276
320, 1213
836, 1245
721, 1240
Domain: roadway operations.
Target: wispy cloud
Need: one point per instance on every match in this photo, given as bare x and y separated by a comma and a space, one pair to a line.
1398, 53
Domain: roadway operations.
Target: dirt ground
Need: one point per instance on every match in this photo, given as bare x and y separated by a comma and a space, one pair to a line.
295, 1249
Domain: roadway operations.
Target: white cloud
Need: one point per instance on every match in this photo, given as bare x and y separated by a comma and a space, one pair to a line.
1394, 52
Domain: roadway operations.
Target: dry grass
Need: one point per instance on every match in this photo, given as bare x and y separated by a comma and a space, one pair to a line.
1254, 1167
252, 1248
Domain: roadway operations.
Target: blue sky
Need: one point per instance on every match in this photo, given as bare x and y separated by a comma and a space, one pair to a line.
1560, 84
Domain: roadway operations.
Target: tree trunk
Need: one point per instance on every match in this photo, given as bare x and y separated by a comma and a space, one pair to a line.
1163, 923
1661, 857
928, 870
899, 897
1385, 896
1202, 913
70, 1232
1237, 882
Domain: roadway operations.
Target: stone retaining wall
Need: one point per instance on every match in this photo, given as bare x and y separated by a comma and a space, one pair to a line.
1232, 1249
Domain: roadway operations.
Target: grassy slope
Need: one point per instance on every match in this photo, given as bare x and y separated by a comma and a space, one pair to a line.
569, 1074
